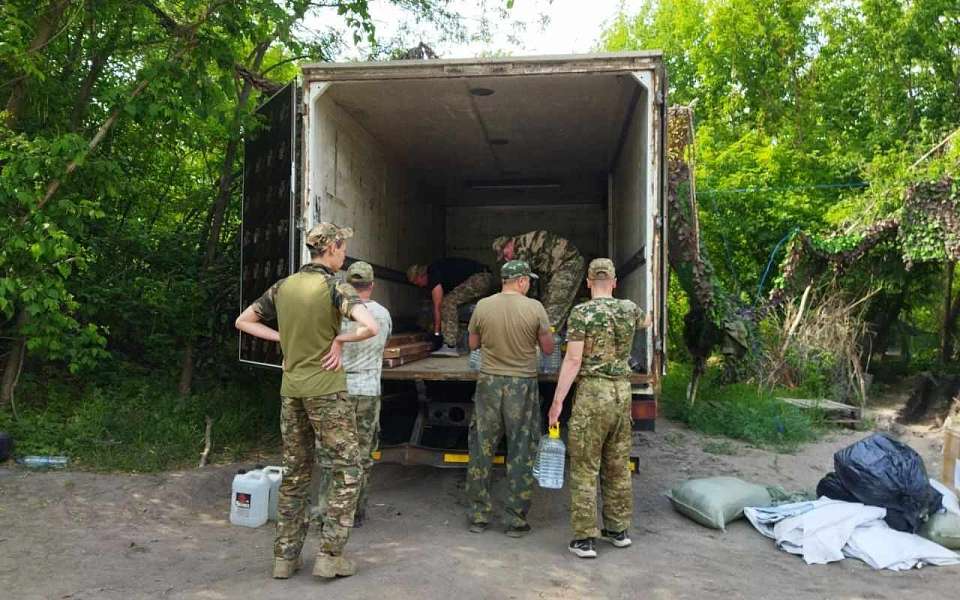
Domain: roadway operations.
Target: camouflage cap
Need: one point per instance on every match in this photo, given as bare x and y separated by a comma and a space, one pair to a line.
323, 234
414, 271
516, 268
601, 268
360, 272
500, 242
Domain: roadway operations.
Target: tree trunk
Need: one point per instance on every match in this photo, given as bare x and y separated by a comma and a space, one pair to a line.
219, 208
46, 25
949, 314
11, 370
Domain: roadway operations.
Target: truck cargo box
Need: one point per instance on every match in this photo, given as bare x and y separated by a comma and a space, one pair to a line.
434, 158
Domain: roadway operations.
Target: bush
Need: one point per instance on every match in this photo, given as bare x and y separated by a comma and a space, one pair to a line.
135, 421
738, 411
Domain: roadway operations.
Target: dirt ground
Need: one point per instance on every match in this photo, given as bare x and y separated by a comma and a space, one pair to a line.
77, 535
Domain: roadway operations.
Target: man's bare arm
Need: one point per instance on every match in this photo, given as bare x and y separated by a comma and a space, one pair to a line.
437, 296
249, 323
568, 373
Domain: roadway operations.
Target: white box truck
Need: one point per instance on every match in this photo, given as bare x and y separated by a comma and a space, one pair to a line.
433, 158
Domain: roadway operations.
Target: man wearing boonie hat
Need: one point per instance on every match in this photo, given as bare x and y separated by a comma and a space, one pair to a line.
363, 362
599, 339
507, 327
556, 260
452, 282
315, 411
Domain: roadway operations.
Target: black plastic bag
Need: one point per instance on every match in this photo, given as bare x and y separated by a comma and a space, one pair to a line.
880, 471
831, 487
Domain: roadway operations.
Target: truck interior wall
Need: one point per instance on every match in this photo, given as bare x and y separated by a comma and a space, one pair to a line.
358, 184
574, 207
630, 207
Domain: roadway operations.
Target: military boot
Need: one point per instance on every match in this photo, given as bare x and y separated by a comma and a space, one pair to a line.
284, 568
329, 566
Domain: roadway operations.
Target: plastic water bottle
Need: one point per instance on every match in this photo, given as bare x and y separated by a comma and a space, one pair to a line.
550, 363
274, 476
548, 470
476, 360
44, 462
250, 499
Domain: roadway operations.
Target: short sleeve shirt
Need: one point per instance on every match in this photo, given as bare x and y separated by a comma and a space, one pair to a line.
509, 326
363, 361
606, 327
308, 307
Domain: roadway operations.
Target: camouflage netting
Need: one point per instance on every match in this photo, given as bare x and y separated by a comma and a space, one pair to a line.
931, 222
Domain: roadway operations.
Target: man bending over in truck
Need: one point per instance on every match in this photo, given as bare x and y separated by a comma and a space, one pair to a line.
315, 411
452, 282
558, 263
507, 327
363, 362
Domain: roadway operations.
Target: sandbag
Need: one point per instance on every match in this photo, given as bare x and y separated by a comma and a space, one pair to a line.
880, 471
831, 487
943, 528
715, 501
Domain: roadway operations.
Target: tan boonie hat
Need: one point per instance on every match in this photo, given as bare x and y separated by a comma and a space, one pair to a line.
360, 272
516, 268
323, 234
414, 271
500, 242
601, 268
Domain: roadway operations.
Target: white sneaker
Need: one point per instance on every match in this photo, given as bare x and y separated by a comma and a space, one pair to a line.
446, 350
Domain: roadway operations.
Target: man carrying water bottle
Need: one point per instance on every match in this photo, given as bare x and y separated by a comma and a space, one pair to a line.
315, 411
599, 338
507, 327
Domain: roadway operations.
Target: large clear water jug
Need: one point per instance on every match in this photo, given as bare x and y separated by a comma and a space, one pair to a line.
548, 469
275, 476
250, 499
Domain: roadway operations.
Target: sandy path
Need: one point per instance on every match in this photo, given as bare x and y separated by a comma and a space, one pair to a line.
93, 536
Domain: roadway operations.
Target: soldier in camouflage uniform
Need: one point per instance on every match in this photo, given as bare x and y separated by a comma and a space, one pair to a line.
315, 411
507, 327
452, 282
363, 362
599, 339
556, 260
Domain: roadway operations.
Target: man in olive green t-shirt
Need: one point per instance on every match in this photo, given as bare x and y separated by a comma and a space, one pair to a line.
315, 412
507, 327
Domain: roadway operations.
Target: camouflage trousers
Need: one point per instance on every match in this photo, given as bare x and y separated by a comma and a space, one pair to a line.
560, 290
478, 285
507, 406
599, 436
327, 423
368, 438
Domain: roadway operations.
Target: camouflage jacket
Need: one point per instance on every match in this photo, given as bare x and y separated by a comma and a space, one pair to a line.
606, 327
544, 251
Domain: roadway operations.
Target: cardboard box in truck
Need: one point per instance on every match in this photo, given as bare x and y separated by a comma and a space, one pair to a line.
434, 158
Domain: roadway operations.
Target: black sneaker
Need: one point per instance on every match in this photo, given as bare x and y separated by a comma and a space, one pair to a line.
620, 539
583, 548
518, 532
478, 527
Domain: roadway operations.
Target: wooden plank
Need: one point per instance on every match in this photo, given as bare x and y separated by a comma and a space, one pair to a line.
402, 339
407, 349
390, 363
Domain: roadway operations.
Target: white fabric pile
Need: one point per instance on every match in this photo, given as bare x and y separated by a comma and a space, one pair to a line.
828, 530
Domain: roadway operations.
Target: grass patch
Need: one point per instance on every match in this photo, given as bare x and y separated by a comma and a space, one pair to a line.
738, 411
131, 420
724, 447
